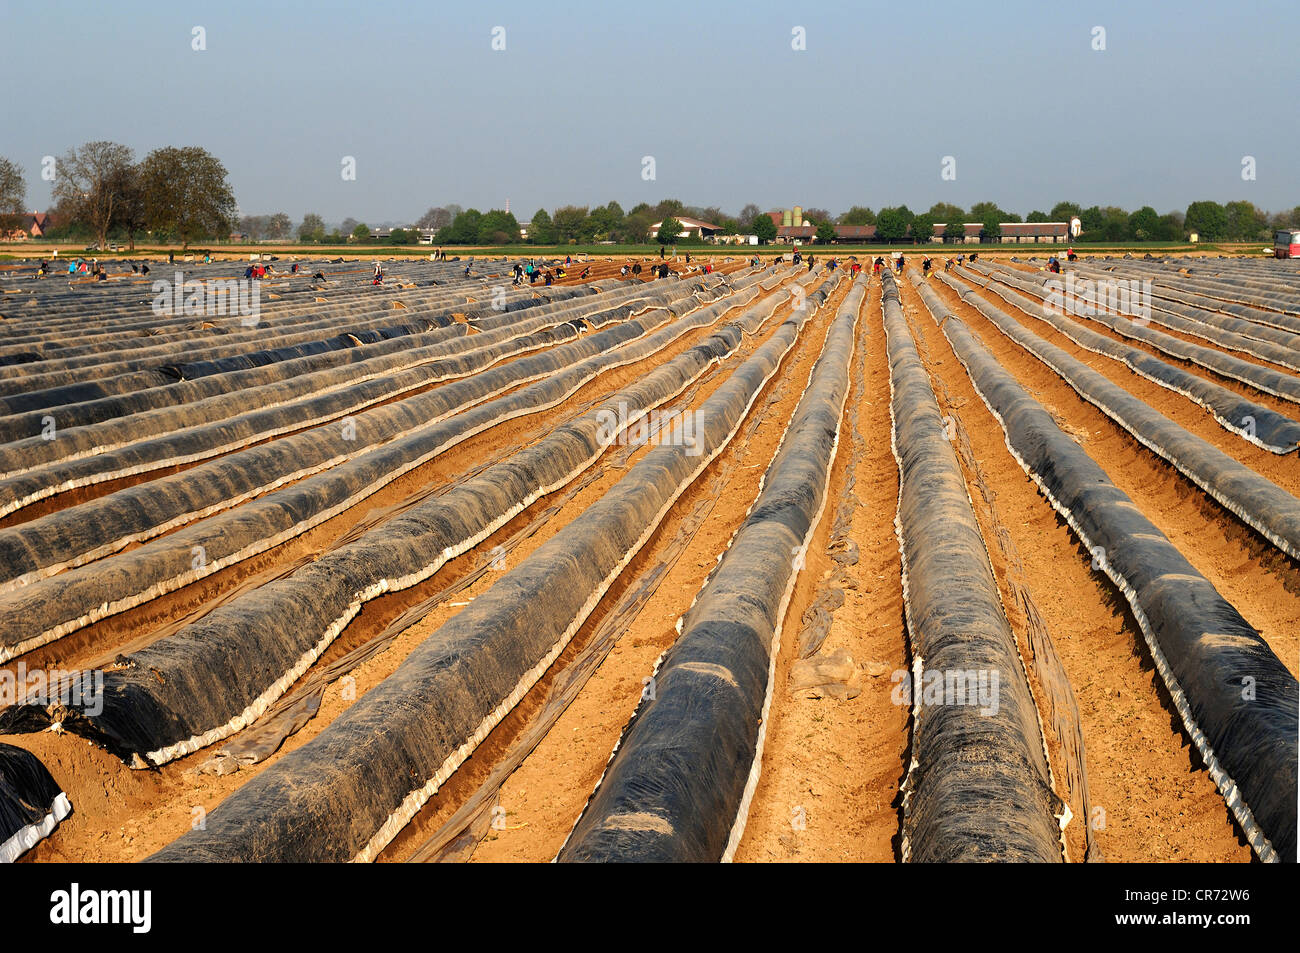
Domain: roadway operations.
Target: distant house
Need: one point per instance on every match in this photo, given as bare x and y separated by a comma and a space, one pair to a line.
691, 228
32, 225
38, 223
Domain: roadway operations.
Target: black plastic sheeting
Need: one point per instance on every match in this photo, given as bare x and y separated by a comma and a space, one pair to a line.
1226, 316
1236, 699
189, 439
31, 803
161, 390
1257, 501
419, 428
1200, 326
215, 676
1264, 379
679, 784
89, 402
376, 318
1254, 422
78, 534
979, 786
345, 794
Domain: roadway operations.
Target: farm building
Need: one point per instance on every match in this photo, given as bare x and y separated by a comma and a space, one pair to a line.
855, 234
1034, 232
691, 228
970, 233
1013, 233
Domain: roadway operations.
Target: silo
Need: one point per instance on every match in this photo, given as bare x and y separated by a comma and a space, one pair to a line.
798, 215
785, 218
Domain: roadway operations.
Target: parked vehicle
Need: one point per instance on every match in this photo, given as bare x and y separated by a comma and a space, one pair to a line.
1286, 243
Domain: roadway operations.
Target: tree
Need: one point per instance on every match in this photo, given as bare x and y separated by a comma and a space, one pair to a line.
747, 213
312, 228
540, 229
1284, 219
858, 215
669, 230
817, 215
186, 193
570, 223
131, 214
1064, 211
1144, 225
463, 230
763, 226
348, 224
435, 218
1114, 225
826, 232
988, 212
360, 234
87, 184
252, 226
636, 226
954, 231
669, 207
1037, 216
280, 226
892, 223
1208, 219
1091, 222
922, 229
13, 196
1245, 222
606, 220
497, 227
1171, 227
947, 213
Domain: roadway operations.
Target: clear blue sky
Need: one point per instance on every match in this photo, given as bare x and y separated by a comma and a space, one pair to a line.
712, 90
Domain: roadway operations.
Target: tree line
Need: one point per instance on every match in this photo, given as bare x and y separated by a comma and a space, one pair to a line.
182, 194
172, 194
569, 224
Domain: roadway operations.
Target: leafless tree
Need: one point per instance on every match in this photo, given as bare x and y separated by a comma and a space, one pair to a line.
89, 181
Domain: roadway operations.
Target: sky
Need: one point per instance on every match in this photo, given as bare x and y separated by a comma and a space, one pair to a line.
1016, 93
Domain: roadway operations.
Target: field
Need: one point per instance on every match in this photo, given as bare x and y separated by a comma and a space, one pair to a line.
753, 563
